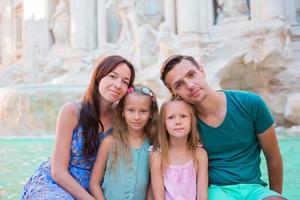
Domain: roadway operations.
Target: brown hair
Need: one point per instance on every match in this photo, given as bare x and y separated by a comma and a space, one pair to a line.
121, 144
193, 139
90, 108
170, 63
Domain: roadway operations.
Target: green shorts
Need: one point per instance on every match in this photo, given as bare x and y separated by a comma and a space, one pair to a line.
239, 192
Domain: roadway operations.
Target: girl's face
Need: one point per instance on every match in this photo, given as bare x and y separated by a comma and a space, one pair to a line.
137, 110
114, 85
178, 119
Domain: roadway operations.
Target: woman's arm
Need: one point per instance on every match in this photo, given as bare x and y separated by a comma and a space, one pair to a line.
269, 145
67, 121
99, 168
157, 181
202, 174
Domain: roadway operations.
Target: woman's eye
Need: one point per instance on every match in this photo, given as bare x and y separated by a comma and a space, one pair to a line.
112, 76
125, 83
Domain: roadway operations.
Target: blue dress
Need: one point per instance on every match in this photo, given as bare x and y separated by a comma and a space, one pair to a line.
41, 186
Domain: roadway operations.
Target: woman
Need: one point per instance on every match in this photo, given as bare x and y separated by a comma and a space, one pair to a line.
79, 131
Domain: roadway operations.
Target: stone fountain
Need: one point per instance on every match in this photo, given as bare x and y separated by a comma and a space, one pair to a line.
257, 52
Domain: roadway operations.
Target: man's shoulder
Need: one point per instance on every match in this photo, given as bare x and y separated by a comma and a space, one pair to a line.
243, 95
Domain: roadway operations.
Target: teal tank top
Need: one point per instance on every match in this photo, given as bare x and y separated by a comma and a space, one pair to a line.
128, 182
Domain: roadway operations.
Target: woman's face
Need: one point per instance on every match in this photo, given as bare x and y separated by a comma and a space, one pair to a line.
114, 85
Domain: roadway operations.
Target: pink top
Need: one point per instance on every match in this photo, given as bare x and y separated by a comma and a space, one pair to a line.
180, 181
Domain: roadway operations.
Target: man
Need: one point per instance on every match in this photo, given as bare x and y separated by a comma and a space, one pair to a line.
234, 127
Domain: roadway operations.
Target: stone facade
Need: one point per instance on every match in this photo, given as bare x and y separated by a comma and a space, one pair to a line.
243, 44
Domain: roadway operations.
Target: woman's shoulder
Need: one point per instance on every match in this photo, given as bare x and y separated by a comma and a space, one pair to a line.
71, 108
108, 141
69, 115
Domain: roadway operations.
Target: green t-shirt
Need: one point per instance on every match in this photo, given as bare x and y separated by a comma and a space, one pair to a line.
233, 147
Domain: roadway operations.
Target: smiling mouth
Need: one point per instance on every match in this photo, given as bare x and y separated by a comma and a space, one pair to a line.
114, 93
194, 93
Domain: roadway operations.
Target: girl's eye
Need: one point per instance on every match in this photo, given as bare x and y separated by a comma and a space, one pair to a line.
170, 117
183, 116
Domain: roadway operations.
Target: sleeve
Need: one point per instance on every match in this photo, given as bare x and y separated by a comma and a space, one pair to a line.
261, 115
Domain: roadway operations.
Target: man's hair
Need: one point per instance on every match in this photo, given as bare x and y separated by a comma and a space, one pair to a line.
171, 62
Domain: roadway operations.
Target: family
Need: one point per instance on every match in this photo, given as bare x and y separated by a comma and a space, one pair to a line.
116, 144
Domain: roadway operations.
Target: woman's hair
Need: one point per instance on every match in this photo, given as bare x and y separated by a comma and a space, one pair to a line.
170, 63
121, 145
163, 144
90, 108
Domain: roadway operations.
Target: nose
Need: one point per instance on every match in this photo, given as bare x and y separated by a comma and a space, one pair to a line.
190, 85
177, 120
118, 83
136, 115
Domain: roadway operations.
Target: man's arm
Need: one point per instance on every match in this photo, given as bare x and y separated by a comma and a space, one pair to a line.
269, 145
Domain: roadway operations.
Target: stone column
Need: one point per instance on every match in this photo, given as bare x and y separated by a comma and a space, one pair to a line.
291, 11
206, 17
267, 9
170, 14
188, 18
83, 24
101, 23
36, 38
6, 39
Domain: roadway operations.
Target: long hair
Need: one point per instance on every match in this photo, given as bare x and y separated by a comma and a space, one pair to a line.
121, 147
170, 63
90, 107
193, 139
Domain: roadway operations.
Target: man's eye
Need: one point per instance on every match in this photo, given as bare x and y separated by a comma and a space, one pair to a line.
178, 86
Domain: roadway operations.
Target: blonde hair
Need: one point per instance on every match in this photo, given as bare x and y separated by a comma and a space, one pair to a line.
193, 140
121, 146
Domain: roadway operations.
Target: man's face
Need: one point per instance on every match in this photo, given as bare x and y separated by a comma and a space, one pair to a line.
188, 82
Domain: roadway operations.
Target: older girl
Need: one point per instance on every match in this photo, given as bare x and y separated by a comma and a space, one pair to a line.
122, 160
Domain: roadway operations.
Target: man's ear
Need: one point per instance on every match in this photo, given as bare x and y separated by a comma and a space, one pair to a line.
171, 91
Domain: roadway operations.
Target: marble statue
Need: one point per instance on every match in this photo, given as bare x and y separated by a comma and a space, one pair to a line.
231, 8
168, 42
60, 25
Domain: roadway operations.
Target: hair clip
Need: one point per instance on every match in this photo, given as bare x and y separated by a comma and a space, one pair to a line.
142, 90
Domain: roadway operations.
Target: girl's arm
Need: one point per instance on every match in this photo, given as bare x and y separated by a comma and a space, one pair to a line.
202, 174
67, 121
99, 168
157, 181
150, 192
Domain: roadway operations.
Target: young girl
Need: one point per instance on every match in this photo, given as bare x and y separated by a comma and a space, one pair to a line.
122, 160
80, 129
179, 164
